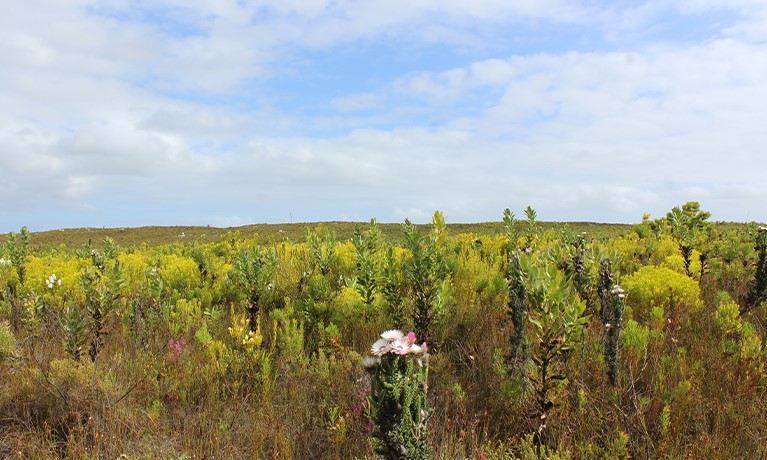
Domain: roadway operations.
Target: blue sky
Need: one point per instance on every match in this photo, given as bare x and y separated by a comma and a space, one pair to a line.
177, 112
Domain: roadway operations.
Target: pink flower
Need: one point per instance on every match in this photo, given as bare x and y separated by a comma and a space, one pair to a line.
411, 337
175, 349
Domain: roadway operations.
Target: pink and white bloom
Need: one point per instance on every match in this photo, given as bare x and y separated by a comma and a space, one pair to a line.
400, 347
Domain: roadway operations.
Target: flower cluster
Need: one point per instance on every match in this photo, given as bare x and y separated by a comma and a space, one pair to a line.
53, 281
619, 291
175, 349
4, 262
396, 342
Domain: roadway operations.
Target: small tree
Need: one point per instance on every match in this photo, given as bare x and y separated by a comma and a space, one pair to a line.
687, 224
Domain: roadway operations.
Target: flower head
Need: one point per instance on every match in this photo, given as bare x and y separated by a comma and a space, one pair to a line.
411, 337
392, 335
400, 347
380, 347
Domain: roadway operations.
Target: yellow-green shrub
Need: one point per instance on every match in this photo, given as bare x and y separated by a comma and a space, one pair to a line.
345, 258
676, 262
727, 317
134, 267
8, 275
183, 315
7, 340
635, 338
39, 269
626, 249
739, 336
180, 274
665, 248
661, 287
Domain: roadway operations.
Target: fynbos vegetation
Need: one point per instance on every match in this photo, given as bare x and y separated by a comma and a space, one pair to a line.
544, 342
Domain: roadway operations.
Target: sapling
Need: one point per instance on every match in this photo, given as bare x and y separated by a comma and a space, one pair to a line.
253, 271
75, 331
517, 311
102, 294
17, 255
397, 400
557, 315
391, 281
366, 246
425, 271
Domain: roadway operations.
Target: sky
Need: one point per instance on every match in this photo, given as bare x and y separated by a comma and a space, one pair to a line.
125, 113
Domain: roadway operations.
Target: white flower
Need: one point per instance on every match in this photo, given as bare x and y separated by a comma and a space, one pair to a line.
53, 281
369, 363
380, 347
416, 349
617, 290
392, 335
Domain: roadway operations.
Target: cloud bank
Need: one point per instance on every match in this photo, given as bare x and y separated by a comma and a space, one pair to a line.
121, 113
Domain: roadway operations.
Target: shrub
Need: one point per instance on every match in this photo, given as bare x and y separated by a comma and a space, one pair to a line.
652, 287
7, 340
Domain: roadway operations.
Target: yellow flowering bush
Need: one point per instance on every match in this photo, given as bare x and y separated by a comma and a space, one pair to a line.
661, 287
39, 272
134, 267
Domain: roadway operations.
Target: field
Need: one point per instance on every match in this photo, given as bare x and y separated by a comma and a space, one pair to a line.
542, 340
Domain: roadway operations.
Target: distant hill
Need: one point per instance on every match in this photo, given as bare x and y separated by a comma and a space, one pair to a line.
153, 236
